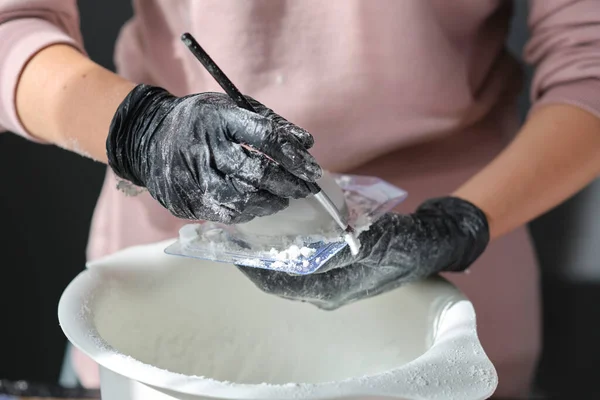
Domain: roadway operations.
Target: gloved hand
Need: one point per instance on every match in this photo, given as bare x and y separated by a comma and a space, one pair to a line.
187, 151
444, 234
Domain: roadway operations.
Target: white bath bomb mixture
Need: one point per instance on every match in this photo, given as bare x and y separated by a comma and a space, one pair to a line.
207, 319
302, 217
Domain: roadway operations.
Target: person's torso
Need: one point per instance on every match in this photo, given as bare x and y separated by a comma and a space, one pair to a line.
365, 77
416, 92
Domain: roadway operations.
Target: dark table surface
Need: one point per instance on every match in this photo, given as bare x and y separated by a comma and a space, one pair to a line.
21, 390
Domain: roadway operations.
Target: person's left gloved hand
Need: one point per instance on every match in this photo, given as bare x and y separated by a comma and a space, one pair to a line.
444, 234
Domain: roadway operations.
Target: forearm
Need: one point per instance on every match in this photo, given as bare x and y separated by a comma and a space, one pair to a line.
66, 99
556, 153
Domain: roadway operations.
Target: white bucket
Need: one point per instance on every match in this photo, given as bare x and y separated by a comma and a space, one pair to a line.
129, 309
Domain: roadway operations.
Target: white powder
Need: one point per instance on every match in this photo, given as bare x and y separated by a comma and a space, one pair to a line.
251, 262
292, 253
207, 319
129, 188
353, 242
278, 265
362, 224
217, 243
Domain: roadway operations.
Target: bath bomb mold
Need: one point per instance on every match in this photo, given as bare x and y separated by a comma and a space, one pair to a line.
297, 240
305, 217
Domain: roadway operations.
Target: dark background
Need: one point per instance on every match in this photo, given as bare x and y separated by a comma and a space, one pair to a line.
48, 196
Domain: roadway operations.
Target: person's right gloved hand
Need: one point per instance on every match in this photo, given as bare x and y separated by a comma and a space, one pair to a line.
444, 234
187, 151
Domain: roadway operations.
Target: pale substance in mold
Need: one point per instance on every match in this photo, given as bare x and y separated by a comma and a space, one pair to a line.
292, 253
302, 217
306, 224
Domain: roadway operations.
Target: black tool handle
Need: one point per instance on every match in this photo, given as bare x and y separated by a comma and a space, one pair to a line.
216, 72
223, 81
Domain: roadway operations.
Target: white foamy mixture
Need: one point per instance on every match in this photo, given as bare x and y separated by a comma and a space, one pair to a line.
209, 320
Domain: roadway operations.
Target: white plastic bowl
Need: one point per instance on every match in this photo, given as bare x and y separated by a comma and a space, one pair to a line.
418, 342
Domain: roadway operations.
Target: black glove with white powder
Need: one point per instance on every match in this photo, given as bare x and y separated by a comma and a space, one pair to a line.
204, 158
443, 234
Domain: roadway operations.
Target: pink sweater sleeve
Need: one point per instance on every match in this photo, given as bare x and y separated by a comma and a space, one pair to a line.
26, 27
565, 49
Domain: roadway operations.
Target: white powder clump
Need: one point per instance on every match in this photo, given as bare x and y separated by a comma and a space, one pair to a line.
291, 253
277, 265
251, 262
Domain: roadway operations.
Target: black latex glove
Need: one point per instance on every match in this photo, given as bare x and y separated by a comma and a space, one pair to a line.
444, 234
187, 152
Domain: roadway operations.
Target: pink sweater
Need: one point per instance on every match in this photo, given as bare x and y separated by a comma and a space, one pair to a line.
419, 92
384, 68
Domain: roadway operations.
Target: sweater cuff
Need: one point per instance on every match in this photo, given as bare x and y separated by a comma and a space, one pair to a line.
584, 94
21, 40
